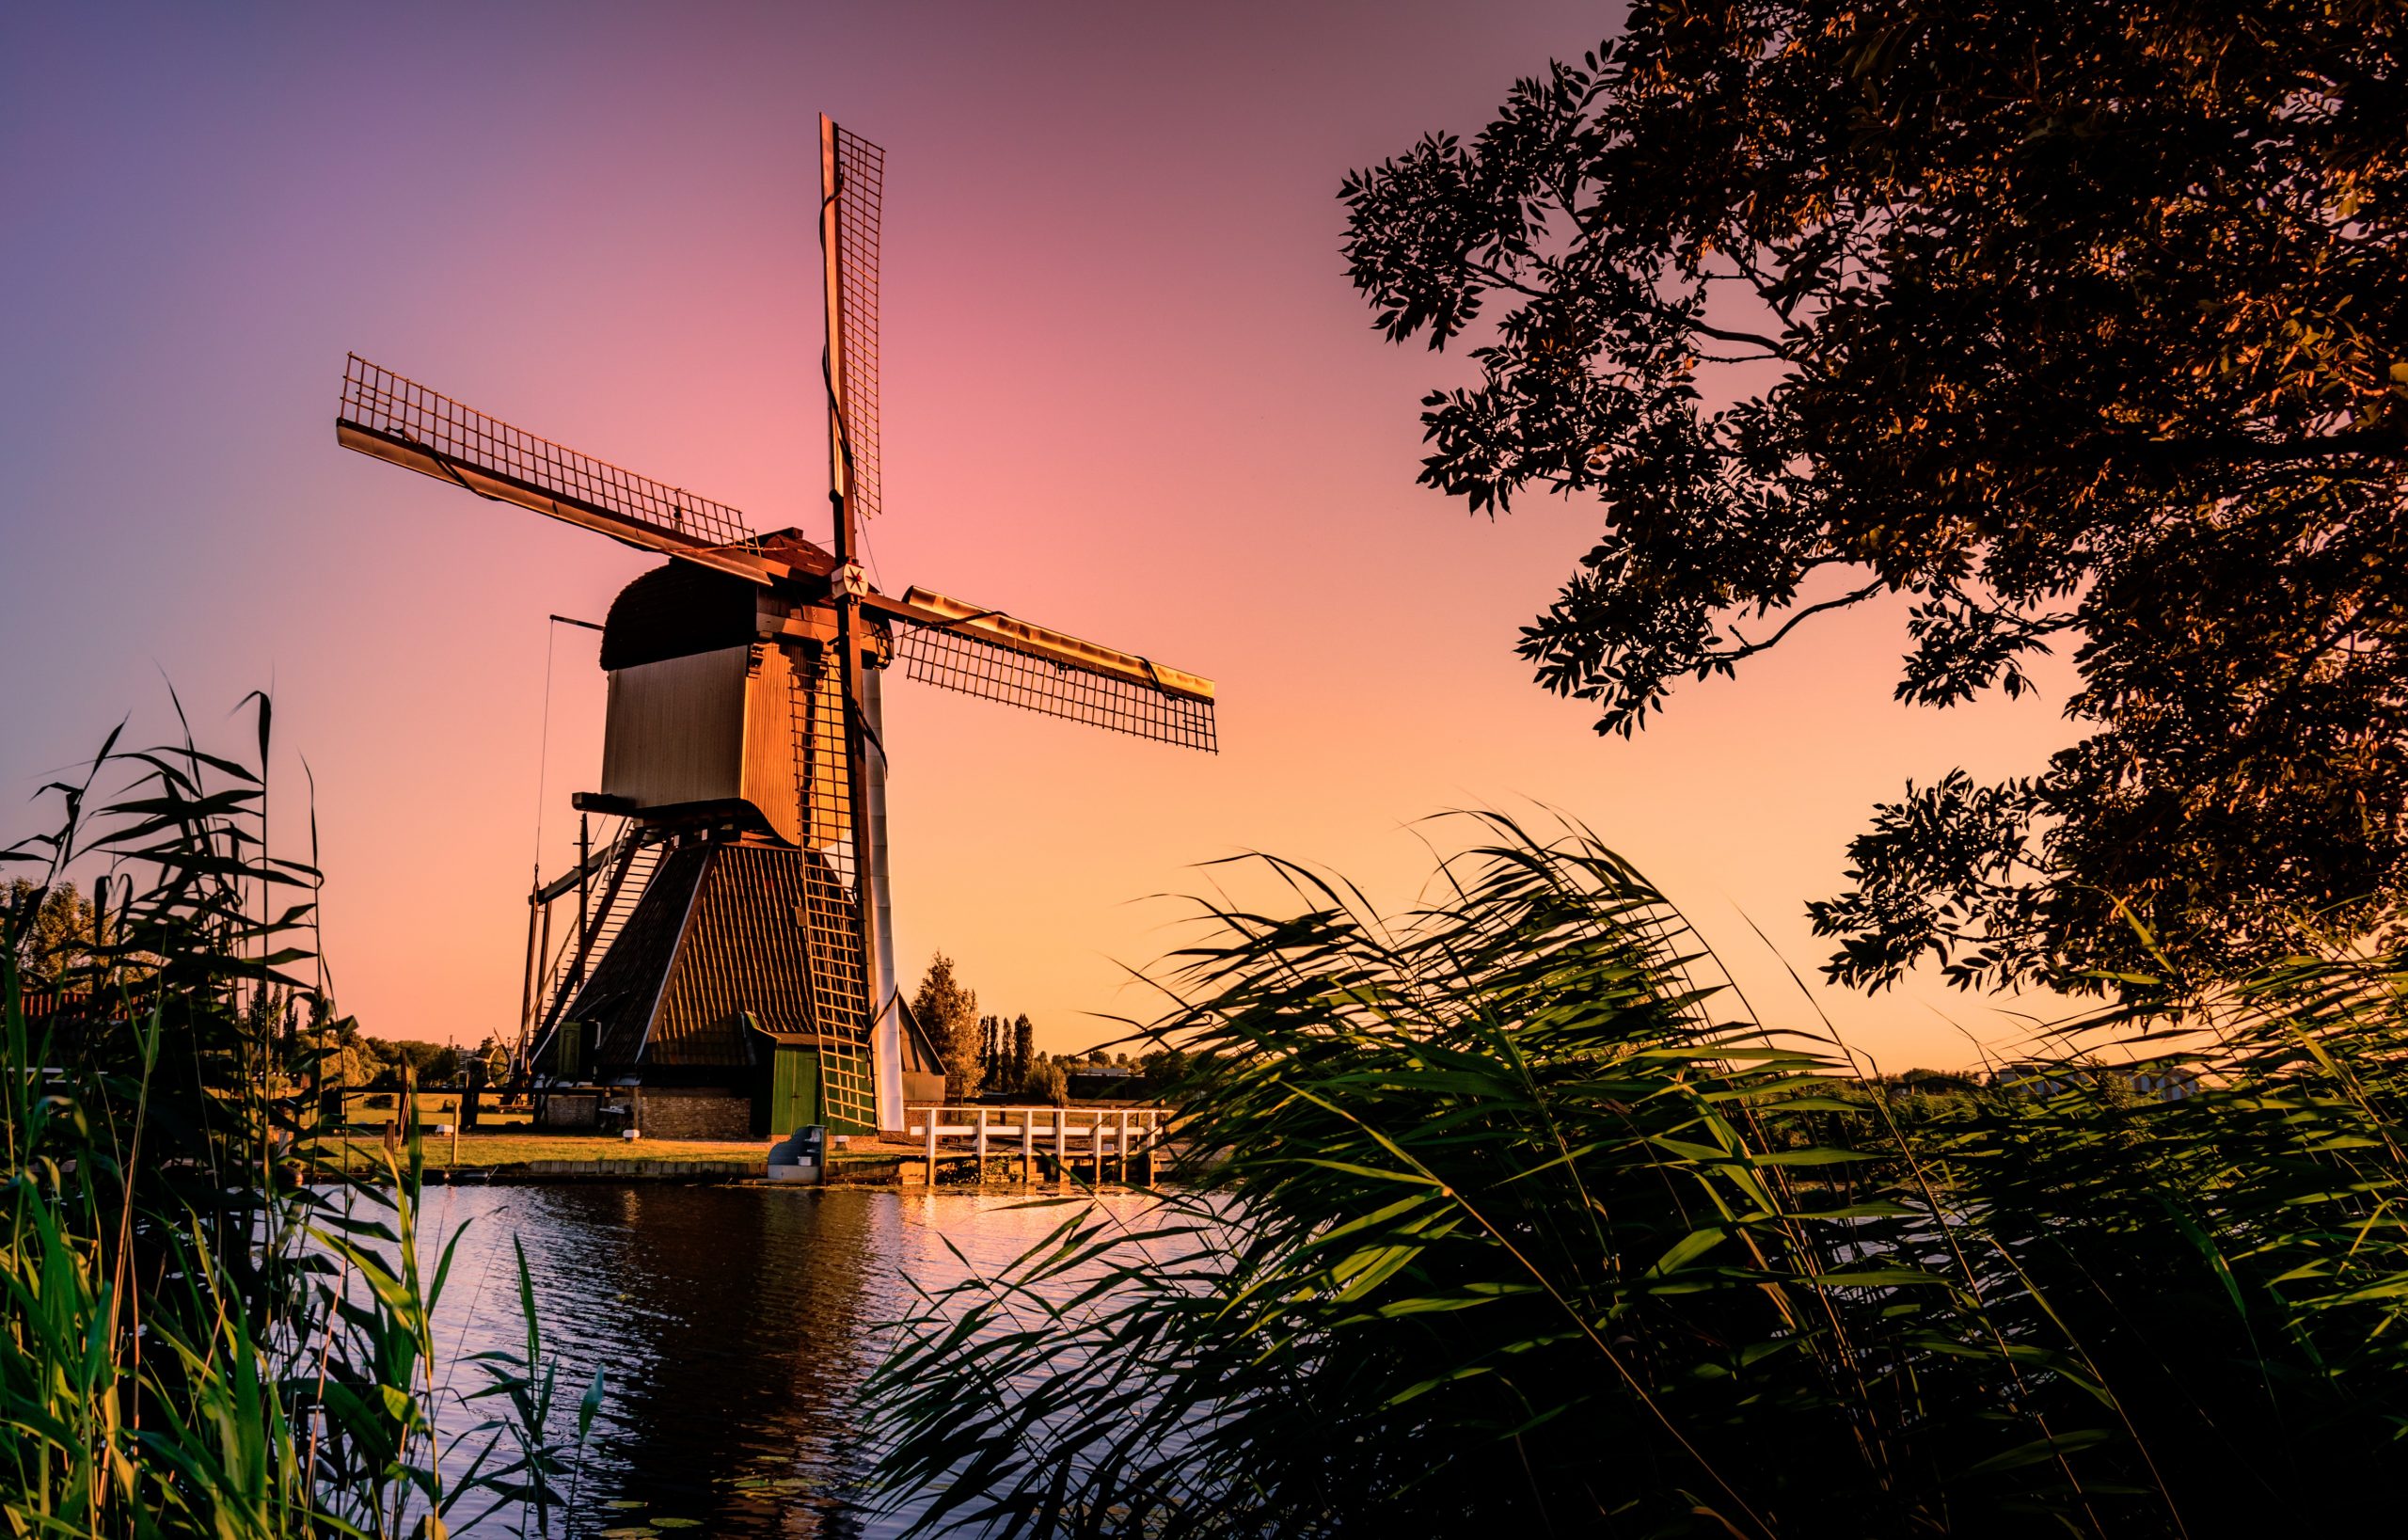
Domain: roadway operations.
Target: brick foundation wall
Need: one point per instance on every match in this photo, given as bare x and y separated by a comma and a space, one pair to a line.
667, 1113
570, 1111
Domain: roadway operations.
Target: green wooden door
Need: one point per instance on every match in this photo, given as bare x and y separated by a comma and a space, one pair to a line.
793, 1089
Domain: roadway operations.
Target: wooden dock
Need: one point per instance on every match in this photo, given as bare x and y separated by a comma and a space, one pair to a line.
1037, 1144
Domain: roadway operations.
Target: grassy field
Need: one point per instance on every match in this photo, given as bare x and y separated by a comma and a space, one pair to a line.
433, 1108
481, 1152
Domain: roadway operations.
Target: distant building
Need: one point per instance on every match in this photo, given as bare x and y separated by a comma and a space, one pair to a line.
2153, 1082
1101, 1082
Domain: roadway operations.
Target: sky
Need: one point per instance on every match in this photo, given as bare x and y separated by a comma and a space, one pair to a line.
1128, 394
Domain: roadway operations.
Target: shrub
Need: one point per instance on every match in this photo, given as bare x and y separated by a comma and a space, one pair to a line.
209, 1326
1497, 1217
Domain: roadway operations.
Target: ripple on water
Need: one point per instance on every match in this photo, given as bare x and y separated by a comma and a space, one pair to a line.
734, 1325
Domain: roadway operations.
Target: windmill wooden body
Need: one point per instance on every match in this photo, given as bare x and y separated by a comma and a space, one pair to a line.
732, 952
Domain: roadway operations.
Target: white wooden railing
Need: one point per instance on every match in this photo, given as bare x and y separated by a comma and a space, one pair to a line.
1068, 1135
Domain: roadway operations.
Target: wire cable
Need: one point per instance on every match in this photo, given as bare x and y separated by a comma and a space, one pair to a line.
544, 749
544, 740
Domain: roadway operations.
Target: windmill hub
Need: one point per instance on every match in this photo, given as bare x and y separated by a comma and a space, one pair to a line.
732, 955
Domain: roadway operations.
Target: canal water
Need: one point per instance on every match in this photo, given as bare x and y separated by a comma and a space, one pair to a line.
734, 1326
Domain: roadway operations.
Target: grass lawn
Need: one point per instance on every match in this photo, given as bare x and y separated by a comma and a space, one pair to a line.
480, 1151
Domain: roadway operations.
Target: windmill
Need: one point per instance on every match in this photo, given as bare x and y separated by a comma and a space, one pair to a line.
732, 944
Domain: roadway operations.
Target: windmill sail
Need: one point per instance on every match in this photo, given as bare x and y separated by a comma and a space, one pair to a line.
986, 653
852, 956
859, 191
400, 421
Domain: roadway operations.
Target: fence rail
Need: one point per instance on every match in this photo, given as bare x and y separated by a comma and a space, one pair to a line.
1068, 1136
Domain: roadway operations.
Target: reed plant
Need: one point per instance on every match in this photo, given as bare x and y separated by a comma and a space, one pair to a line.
1506, 1214
207, 1325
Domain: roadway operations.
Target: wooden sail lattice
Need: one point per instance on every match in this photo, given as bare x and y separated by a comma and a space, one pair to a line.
860, 185
977, 664
839, 974
467, 445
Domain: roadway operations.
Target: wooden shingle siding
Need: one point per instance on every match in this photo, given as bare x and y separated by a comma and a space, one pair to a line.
714, 949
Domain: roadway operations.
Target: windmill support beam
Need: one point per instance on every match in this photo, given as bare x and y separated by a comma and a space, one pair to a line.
409, 456
567, 883
886, 1024
922, 606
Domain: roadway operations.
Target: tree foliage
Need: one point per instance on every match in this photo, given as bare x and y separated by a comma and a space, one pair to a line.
949, 1013
1023, 1049
58, 932
2075, 325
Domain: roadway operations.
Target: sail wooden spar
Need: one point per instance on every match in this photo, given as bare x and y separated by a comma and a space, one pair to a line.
996, 657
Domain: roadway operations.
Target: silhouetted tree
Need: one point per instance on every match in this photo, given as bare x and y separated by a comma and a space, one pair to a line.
2073, 324
949, 1013
1024, 1048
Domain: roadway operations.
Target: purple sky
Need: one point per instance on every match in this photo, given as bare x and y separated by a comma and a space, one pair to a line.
1128, 394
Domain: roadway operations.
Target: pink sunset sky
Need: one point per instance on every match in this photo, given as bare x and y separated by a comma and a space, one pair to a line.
1128, 394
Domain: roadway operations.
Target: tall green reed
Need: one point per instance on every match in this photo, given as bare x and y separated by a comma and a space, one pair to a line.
208, 1325
1502, 1214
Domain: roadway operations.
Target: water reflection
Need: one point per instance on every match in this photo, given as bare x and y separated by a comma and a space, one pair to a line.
735, 1323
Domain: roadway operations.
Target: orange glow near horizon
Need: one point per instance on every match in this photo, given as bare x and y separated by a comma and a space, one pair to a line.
1128, 394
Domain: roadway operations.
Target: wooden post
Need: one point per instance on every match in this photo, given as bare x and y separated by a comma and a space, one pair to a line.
982, 1145
1096, 1140
1122, 1144
1061, 1144
527, 991
543, 963
934, 1113
1027, 1147
584, 890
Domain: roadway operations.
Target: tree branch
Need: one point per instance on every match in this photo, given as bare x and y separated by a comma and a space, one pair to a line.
1749, 649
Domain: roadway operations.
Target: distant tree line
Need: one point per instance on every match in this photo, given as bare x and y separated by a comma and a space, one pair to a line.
365, 1063
62, 928
992, 1055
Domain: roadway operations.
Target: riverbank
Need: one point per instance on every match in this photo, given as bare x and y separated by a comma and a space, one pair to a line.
515, 1157
545, 1159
